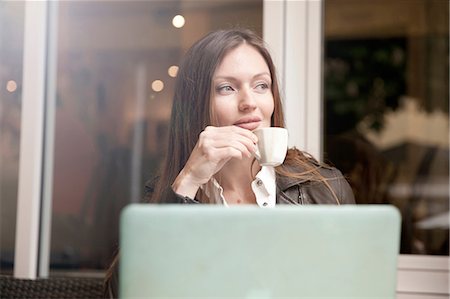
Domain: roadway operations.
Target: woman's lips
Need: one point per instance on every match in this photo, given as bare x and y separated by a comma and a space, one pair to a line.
249, 125
248, 122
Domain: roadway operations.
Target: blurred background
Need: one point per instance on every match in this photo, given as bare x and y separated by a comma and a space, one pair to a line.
385, 111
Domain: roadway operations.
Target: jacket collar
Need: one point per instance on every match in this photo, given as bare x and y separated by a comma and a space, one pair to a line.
285, 182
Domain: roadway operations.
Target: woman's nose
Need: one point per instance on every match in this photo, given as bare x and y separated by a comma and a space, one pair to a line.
246, 100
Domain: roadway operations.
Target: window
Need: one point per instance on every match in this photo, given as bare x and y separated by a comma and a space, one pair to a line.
116, 71
110, 123
386, 95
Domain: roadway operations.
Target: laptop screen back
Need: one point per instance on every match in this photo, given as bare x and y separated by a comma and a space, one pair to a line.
249, 252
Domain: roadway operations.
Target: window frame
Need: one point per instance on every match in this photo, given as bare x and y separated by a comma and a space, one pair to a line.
31, 141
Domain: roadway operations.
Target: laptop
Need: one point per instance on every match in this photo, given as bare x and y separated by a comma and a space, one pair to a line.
208, 251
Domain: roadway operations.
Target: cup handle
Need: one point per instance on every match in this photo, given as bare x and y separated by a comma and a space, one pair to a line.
257, 154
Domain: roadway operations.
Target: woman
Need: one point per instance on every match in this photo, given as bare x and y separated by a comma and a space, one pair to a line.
226, 88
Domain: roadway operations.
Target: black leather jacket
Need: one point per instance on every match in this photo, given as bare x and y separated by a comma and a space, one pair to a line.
305, 191
289, 191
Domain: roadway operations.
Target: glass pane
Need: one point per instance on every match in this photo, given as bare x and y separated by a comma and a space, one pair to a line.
12, 17
112, 112
386, 94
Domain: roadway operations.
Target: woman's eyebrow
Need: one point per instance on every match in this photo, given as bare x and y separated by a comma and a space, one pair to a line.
228, 78
231, 78
262, 74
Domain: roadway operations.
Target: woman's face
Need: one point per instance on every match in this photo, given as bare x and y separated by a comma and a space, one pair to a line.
241, 91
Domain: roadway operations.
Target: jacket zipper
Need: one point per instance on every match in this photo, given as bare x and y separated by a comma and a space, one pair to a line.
300, 195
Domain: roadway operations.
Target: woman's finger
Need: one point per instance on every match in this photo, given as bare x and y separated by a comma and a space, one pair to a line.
227, 136
245, 147
233, 129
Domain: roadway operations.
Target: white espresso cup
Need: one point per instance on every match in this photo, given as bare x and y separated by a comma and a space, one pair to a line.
272, 145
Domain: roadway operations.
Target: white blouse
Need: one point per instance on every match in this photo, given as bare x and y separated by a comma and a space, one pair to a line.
263, 186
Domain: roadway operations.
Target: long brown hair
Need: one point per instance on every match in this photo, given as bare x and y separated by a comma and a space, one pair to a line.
191, 108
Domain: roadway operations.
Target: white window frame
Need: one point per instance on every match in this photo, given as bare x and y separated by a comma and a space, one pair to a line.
34, 200
31, 141
293, 31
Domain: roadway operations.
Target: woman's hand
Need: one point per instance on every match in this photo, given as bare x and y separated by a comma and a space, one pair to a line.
215, 147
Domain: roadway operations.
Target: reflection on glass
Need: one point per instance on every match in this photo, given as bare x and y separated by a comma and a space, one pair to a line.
387, 110
172, 71
12, 15
111, 126
11, 86
157, 85
178, 21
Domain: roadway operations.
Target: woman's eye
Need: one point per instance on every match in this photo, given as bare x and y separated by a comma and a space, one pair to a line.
225, 88
262, 86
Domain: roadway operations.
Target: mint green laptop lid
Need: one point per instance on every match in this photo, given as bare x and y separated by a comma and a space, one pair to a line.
247, 252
